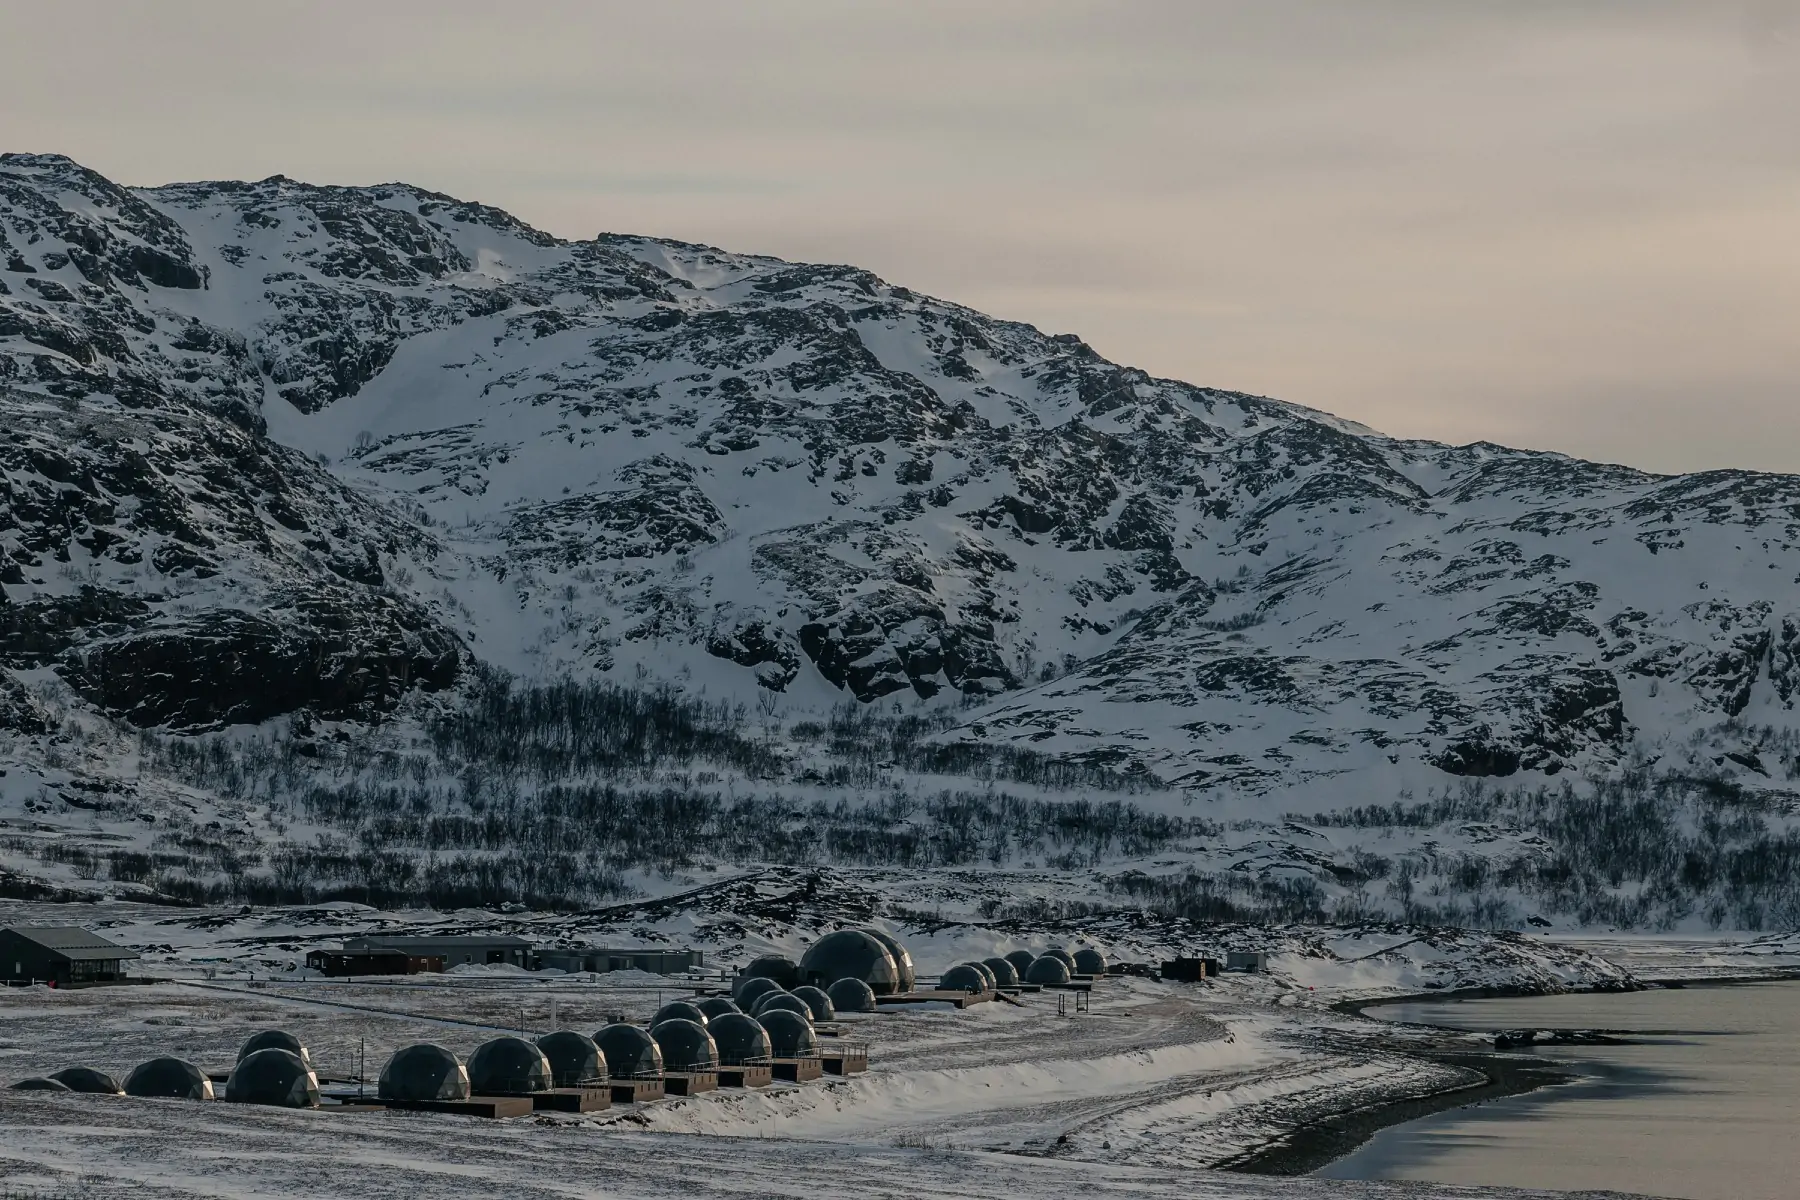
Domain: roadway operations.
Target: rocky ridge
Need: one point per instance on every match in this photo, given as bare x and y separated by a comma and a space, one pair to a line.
271, 448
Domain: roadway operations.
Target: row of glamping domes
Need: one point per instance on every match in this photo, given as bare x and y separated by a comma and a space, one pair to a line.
274, 1068
850, 957
855, 966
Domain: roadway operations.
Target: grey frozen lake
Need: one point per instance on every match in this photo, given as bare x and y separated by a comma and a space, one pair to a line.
1704, 1104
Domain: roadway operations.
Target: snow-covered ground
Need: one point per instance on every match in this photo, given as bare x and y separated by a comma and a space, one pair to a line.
1130, 1098
1157, 1081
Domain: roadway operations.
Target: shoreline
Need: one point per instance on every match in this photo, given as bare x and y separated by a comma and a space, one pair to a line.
1314, 1144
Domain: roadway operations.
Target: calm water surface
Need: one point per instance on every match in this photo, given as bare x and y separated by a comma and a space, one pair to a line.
1706, 1105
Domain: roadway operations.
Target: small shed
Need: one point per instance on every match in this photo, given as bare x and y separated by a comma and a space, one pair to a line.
1254, 962
60, 955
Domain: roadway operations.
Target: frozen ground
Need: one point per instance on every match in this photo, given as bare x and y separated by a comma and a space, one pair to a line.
1157, 1082
999, 1101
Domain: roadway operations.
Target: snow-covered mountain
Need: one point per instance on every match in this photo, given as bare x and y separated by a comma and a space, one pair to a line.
271, 447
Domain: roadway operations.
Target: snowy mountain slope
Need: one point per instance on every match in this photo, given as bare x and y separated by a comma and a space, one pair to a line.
651, 461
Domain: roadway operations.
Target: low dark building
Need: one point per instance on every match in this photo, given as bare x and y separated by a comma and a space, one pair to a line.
1185, 970
60, 955
372, 962
455, 950
603, 958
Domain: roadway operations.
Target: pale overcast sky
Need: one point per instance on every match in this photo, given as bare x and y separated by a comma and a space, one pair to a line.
1567, 224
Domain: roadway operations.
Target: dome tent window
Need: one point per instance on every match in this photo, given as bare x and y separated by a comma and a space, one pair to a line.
86, 1079
851, 954
630, 1052
852, 996
169, 1078
790, 1035
963, 978
784, 1002
508, 1066
274, 1039
1005, 974
686, 1046
818, 1000
909, 978
748, 990
40, 1084
717, 1006
741, 1040
275, 1077
779, 967
423, 1071
679, 1010
575, 1059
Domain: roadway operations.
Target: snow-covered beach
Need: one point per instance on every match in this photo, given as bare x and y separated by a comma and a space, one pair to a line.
1157, 1081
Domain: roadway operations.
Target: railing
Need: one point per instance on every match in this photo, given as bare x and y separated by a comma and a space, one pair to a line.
746, 1060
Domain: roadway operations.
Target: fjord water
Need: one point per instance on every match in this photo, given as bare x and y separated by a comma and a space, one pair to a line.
1704, 1104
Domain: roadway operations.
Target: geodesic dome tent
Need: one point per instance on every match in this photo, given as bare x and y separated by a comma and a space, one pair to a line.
1089, 961
790, 1035
1047, 970
982, 969
679, 1010
963, 978
169, 1078
851, 954
423, 1071
903, 962
39, 1084
779, 967
1005, 974
740, 1039
686, 1046
86, 1079
275, 1077
747, 991
630, 1051
575, 1060
852, 996
717, 1006
818, 1000
508, 1066
274, 1039
1021, 961
1062, 956
782, 1002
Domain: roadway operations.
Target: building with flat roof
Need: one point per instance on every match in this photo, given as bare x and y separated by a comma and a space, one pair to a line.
455, 949
372, 962
60, 955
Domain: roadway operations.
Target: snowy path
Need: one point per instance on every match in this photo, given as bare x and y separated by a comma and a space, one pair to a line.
103, 1149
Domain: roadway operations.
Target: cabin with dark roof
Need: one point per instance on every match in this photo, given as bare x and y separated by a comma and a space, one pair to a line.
60, 955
